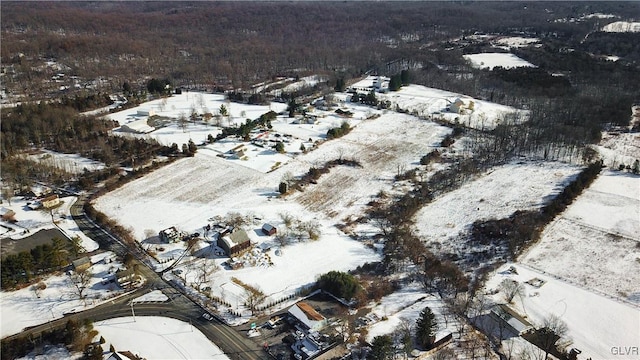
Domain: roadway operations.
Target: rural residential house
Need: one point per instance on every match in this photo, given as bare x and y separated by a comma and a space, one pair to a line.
125, 277
307, 316
234, 243
50, 201
169, 235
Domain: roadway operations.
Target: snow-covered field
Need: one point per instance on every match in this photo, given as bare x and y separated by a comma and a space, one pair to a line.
491, 60
71, 163
384, 147
596, 323
494, 195
594, 243
515, 42
183, 105
619, 148
622, 26
196, 189
28, 307
434, 103
152, 337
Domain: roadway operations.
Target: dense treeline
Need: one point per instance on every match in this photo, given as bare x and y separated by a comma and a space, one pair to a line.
22, 268
60, 128
226, 42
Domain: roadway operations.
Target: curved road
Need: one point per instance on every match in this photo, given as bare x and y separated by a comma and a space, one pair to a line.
233, 343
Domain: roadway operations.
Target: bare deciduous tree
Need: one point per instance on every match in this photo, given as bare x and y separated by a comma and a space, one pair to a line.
80, 280
552, 333
510, 288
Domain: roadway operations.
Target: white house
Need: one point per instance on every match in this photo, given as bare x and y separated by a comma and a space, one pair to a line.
308, 316
138, 127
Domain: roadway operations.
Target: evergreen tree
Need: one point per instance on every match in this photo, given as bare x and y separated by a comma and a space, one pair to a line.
426, 327
381, 348
405, 77
280, 147
340, 85
395, 83
192, 147
339, 283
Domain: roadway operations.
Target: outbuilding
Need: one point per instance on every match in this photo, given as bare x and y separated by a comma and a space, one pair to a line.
269, 229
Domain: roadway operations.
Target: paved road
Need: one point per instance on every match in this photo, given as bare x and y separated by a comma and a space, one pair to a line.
233, 343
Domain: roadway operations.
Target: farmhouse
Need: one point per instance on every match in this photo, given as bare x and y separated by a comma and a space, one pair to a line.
169, 235
307, 316
125, 277
269, 229
234, 243
137, 127
50, 201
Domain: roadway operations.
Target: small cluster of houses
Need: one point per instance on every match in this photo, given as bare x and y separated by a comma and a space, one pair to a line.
125, 278
47, 202
306, 341
233, 241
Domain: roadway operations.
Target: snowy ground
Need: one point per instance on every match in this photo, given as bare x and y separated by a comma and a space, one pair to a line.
494, 195
30, 221
405, 305
622, 26
598, 236
596, 323
183, 105
28, 307
71, 163
516, 42
153, 337
491, 60
433, 103
619, 148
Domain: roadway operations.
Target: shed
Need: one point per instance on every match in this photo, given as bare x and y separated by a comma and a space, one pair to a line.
81, 264
269, 229
7, 214
50, 201
146, 112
